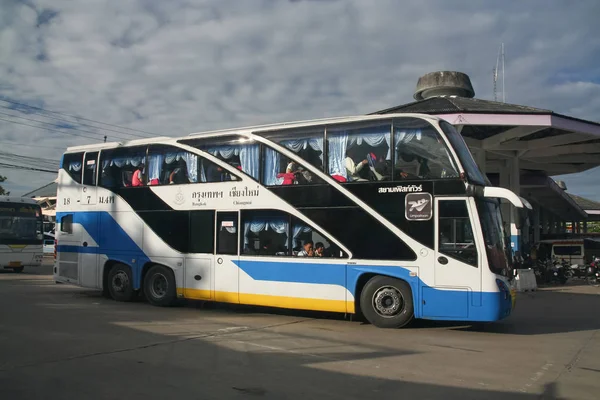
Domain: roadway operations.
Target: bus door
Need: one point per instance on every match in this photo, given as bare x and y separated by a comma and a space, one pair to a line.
226, 271
88, 256
457, 271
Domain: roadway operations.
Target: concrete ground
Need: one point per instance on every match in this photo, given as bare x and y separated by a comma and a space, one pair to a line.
63, 342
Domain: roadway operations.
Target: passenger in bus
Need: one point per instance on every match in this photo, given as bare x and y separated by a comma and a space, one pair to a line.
179, 174
352, 168
137, 178
307, 250
319, 249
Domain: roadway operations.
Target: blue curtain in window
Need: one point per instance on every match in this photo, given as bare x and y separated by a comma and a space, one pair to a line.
375, 137
296, 145
155, 162
272, 159
249, 158
191, 161
405, 136
278, 225
337, 154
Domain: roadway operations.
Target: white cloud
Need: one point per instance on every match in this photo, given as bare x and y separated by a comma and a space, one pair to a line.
177, 67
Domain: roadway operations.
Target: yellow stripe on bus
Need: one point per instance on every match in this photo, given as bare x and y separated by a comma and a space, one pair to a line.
300, 303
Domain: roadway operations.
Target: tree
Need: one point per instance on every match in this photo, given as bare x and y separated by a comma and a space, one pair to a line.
2, 191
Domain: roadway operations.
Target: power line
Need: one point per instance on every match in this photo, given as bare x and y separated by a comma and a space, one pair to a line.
78, 123
74, 116
48, 129
54, 125
33, 145
12, 166
27, 158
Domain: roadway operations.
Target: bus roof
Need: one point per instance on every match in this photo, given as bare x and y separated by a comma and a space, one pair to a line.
251, 129
16, 199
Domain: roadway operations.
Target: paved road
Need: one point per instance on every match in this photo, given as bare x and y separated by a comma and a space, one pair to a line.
62, 342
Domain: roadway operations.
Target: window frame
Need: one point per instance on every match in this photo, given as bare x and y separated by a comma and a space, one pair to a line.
66, 160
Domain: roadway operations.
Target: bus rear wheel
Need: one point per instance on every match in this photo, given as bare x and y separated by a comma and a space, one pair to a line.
387, 302
159, 286
120, 283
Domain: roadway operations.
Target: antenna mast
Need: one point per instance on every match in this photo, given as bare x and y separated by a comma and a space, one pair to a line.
500, 57
503, 92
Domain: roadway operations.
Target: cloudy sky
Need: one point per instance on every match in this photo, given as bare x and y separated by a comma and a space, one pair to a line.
174, 67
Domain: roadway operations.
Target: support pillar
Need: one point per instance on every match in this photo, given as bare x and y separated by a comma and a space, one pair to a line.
515, 186
536, 223
504, 206
585, 227
480, 159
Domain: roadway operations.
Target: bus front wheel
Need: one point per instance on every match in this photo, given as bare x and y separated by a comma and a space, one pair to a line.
120, 283
387, 302
159, 286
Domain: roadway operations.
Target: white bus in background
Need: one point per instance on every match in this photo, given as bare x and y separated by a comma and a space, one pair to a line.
20, 233
385, 215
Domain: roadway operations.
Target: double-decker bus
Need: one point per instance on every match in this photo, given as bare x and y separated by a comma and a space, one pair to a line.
20, 233
384, 215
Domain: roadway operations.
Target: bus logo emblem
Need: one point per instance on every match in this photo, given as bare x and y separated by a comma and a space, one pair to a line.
179, 197
418, 207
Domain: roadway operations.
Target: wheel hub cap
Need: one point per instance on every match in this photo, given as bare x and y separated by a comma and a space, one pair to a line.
388, 301
120, 282
159, 285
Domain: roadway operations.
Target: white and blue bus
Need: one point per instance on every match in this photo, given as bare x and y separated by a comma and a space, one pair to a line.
383, 215
20, 233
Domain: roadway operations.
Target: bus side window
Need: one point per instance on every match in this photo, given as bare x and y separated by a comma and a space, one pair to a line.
420, 152
72, 164
359, 153
455, 236
266, 232
119, 166
281, 170
302, 234
66, 224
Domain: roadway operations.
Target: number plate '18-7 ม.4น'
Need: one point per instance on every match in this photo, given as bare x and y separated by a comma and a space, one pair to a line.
418, 206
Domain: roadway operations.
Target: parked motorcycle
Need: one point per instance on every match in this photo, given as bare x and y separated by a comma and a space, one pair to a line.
593, 271
557, 272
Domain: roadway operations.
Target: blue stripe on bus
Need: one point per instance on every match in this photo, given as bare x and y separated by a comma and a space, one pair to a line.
322, 273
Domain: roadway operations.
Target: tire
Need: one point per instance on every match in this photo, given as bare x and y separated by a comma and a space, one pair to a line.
159, 286
120, 283
18, 270
387, 302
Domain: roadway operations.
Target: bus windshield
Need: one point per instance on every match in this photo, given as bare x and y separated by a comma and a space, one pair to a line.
20, 223
493, 235
462, 151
